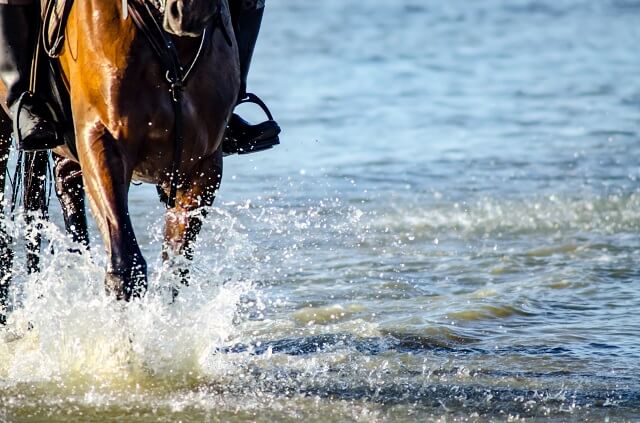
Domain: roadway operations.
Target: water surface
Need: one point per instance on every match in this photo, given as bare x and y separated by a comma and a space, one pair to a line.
448, 232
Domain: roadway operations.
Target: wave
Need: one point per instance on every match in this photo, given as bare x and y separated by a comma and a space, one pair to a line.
544, 215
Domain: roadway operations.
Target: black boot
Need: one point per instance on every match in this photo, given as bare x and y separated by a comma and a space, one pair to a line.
18, 32
241, 136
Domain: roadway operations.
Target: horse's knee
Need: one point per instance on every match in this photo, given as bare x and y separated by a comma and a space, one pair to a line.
69, 188
70, 193
68, 178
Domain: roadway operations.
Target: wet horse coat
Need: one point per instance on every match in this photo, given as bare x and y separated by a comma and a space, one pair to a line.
124, 127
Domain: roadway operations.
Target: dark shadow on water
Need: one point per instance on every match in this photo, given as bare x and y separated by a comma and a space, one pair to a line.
298, 346
482, 399
485, 390
452, 399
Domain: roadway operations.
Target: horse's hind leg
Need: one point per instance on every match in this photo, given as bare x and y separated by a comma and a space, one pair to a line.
70, 192
181, 223
106, 179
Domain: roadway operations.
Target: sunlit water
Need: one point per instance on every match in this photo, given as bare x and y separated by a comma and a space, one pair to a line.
449, 231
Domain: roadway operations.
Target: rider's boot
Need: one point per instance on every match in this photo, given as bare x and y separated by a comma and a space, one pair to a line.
18, 32
241, 136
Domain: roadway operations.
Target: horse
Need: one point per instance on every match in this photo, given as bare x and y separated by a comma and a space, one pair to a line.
125, 124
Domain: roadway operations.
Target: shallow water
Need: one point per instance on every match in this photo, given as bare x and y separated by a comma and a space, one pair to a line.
448, 232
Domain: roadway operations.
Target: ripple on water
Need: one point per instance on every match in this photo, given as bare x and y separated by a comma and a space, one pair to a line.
517, 217
215, 346
328, 314
488, 312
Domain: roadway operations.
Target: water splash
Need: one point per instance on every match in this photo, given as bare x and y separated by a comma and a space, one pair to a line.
65, 329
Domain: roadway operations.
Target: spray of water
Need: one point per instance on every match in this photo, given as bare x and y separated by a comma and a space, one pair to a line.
63, 328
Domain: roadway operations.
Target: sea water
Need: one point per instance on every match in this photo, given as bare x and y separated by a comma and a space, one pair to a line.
448, 232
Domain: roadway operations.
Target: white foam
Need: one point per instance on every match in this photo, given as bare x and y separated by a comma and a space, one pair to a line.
64, 328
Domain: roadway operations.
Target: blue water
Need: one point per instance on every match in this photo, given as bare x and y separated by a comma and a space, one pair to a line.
448, 230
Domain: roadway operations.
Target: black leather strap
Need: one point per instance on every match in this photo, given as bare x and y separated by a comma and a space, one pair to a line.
53, 47
158, 39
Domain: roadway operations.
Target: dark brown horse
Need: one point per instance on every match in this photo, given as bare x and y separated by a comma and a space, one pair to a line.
124, 118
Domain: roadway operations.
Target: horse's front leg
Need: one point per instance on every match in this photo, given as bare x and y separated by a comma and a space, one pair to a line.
183, 222
107, 173
6, 253
70, 192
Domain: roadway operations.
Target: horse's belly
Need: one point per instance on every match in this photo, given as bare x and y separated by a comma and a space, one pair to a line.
203, 126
